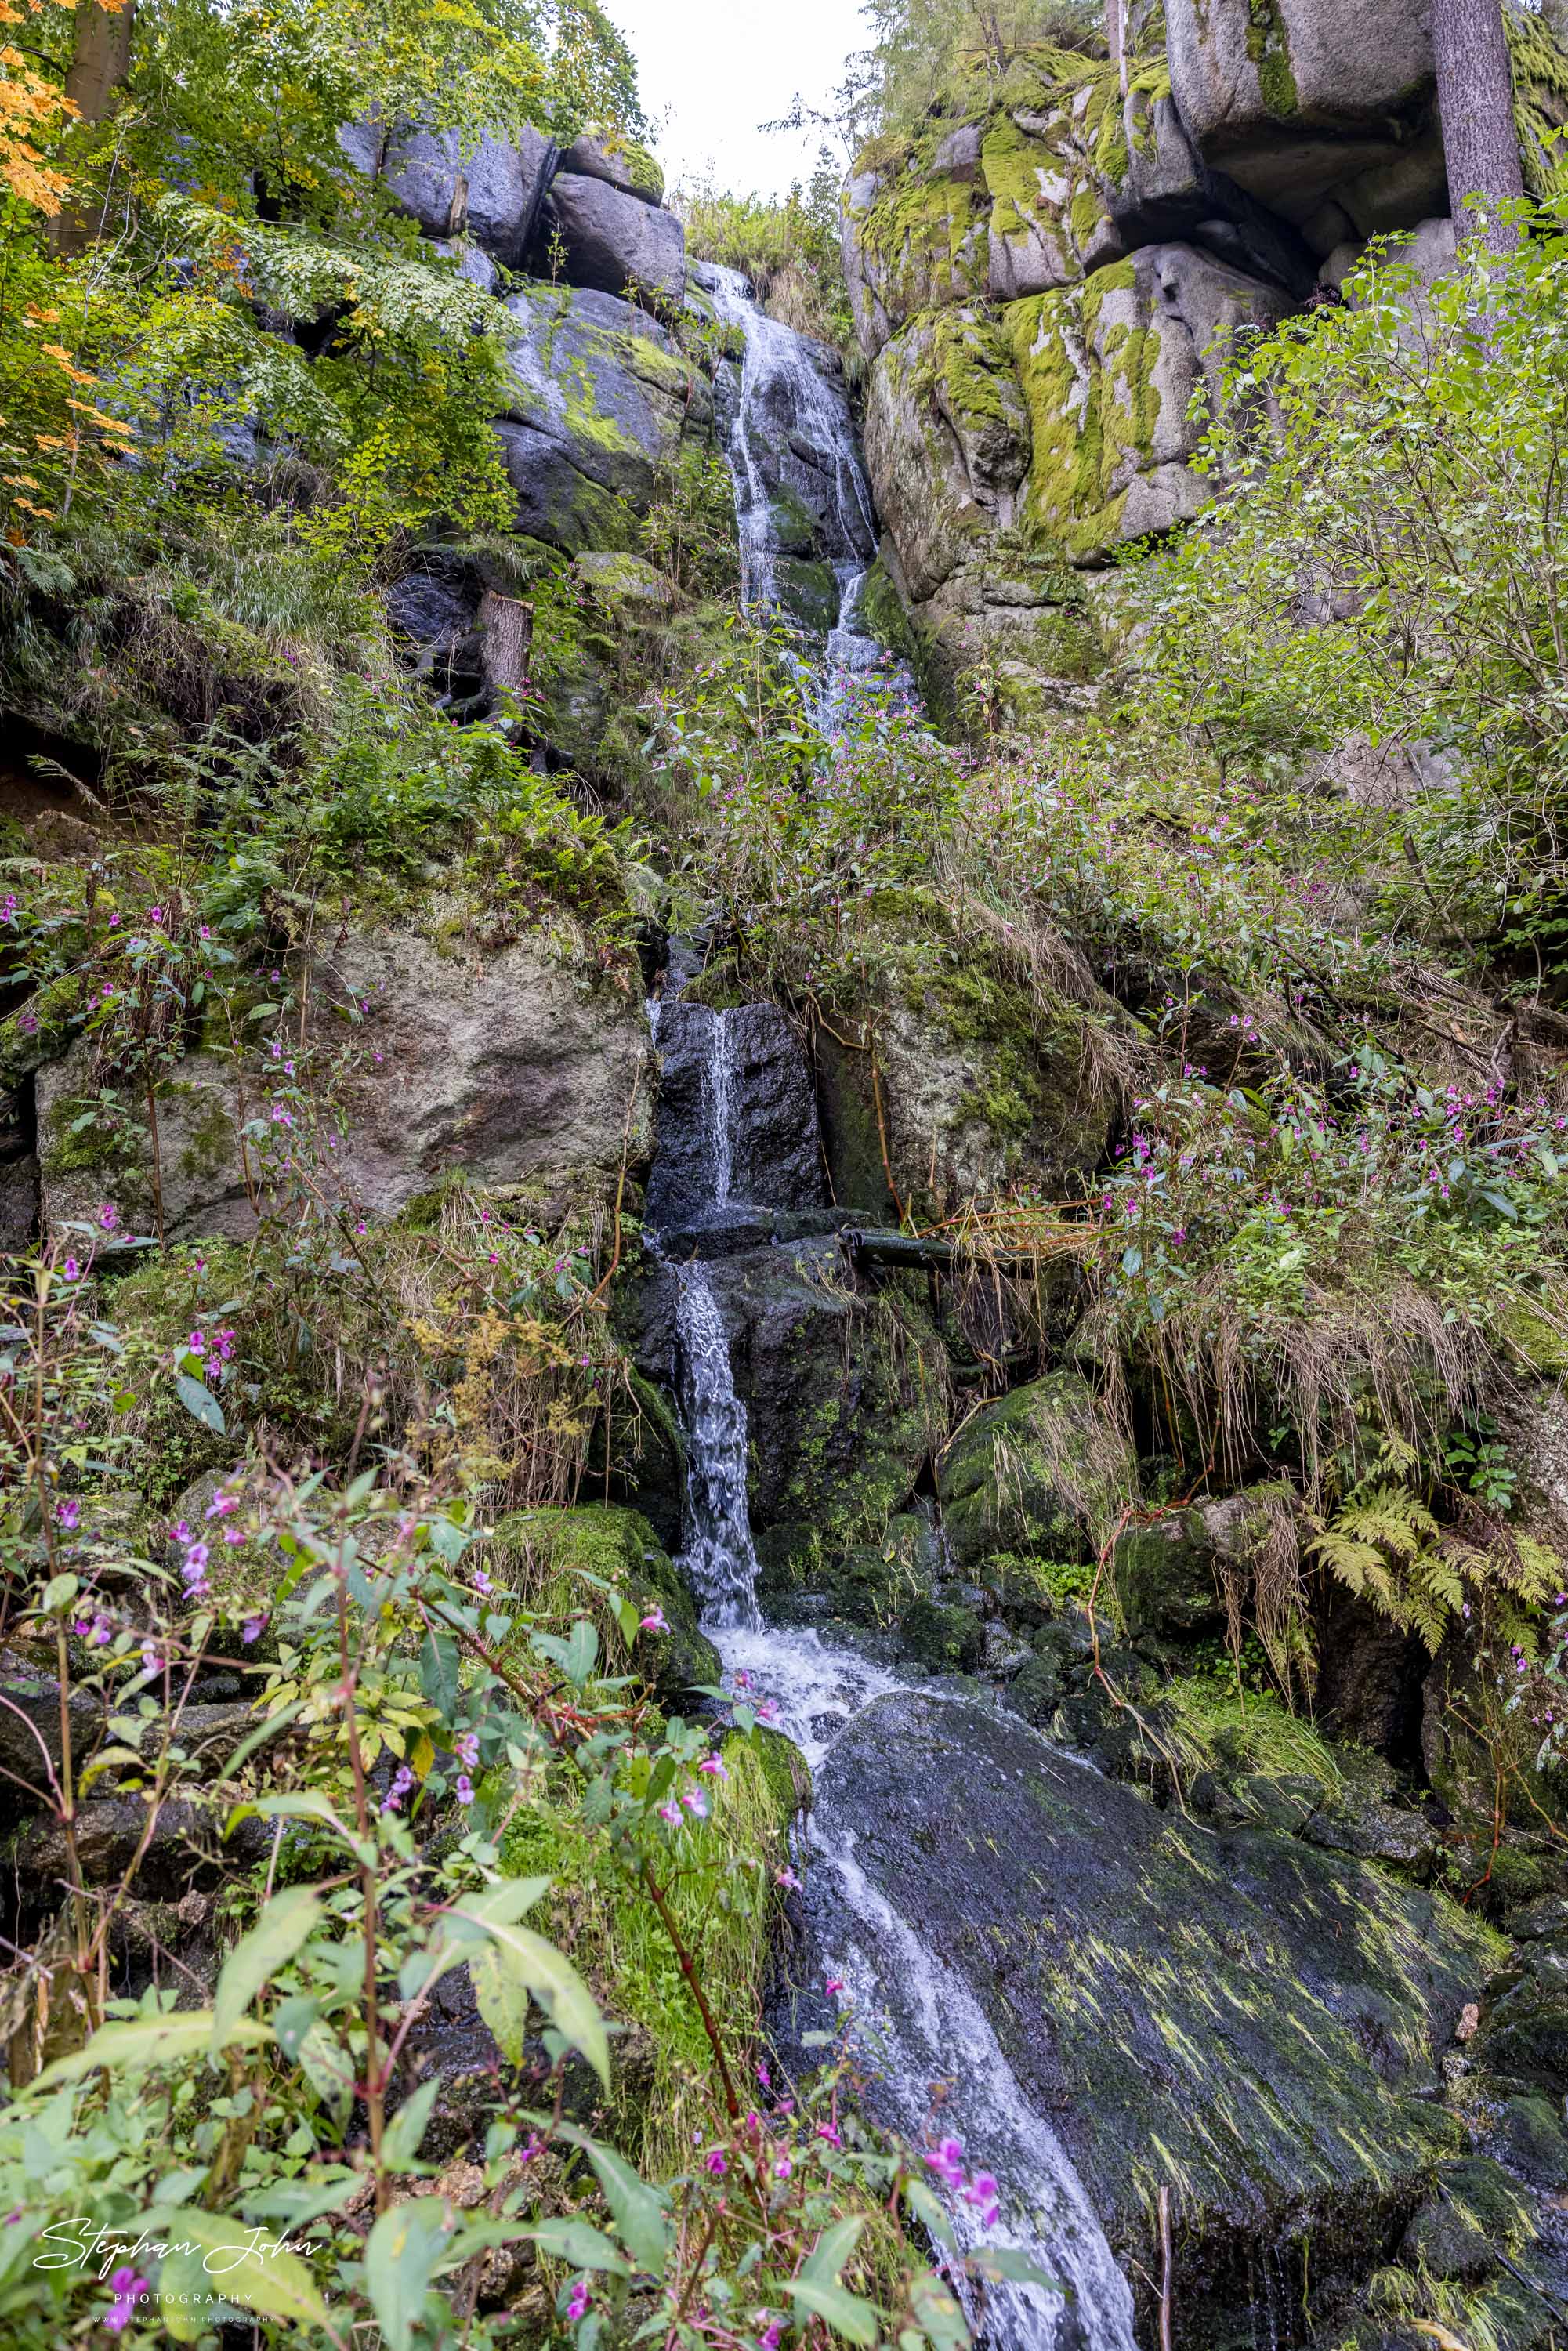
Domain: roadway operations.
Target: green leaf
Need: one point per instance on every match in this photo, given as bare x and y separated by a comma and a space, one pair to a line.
503, 1999
272, 1942
846, 2313
273, 2284
152, 2041
582, 1652
400, 2254
928, 2210
555, 1983
325, 2066
642, 2213
575, 2241
201, 1402
438, 1676
831, 2250
404, 2133
1007, 2262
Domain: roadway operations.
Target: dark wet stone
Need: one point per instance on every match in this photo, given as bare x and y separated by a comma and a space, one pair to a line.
1263, 2010
775, 1152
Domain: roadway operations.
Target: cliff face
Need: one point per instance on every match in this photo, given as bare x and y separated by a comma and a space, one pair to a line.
1043, 285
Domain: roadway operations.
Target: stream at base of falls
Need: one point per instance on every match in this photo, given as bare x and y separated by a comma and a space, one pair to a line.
915, 2024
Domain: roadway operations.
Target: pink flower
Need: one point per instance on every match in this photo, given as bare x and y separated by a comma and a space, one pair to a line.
830, 2131
696, 1804
714, 1766
68, 1512
466, 1746
465, 1789
220, 1506
946, 2160
787, 1878
982, 2193
252, 1629
717, 2164
834, 1986
579, 2299
653, 1622
72, 1270
108, 1216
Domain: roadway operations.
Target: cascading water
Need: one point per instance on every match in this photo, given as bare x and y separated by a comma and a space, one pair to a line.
791, 416
916, 2021
719, 1558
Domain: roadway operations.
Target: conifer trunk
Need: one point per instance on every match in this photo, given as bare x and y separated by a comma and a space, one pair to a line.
1475, 99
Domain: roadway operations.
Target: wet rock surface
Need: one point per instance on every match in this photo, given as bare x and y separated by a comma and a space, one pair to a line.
1253, 2022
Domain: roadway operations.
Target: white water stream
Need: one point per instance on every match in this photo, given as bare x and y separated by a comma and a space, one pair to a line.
915, 2023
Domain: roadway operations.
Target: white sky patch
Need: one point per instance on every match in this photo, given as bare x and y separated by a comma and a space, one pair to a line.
711, 71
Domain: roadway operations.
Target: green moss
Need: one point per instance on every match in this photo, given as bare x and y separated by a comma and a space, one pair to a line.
561, 1562
39, 1031
1268, 46
808, 592
923, 237
1042, 1470
1088, 439
882, 611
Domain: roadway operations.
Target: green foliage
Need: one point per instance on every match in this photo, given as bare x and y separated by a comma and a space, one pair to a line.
941, 56
1383, 555
789, 247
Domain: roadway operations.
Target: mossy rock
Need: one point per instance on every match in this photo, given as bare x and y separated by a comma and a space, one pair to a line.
549, 1556
945, 1639
1042, 1470
1478, 2215
1529, 2139
808, 592
1165, 1577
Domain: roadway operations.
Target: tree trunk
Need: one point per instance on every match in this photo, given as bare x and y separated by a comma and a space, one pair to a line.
1475, 98
99, 64
102, 58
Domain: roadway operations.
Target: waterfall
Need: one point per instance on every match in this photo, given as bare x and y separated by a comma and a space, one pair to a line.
787, 404
719, 1557
916, 2020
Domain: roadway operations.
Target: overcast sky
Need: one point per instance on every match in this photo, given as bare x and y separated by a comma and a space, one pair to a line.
713, 69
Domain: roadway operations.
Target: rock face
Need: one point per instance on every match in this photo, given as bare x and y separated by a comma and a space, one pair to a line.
1043, 286
842, 1392
92, 1153
1109, 370
616, 241
507, 1066
620, 161
1040, 1471
492, 195
1238, 2016
739, 1078
1304, 101
602, 398
955, 1087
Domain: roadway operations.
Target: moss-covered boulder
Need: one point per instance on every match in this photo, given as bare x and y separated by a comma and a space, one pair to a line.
96, 1150
1165, 1575
914, 228
943, 1638
1043, 1470
965, 1073
947, 440
1047, 169
1110, 369
556, 1559
599, 400
1226, 2014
